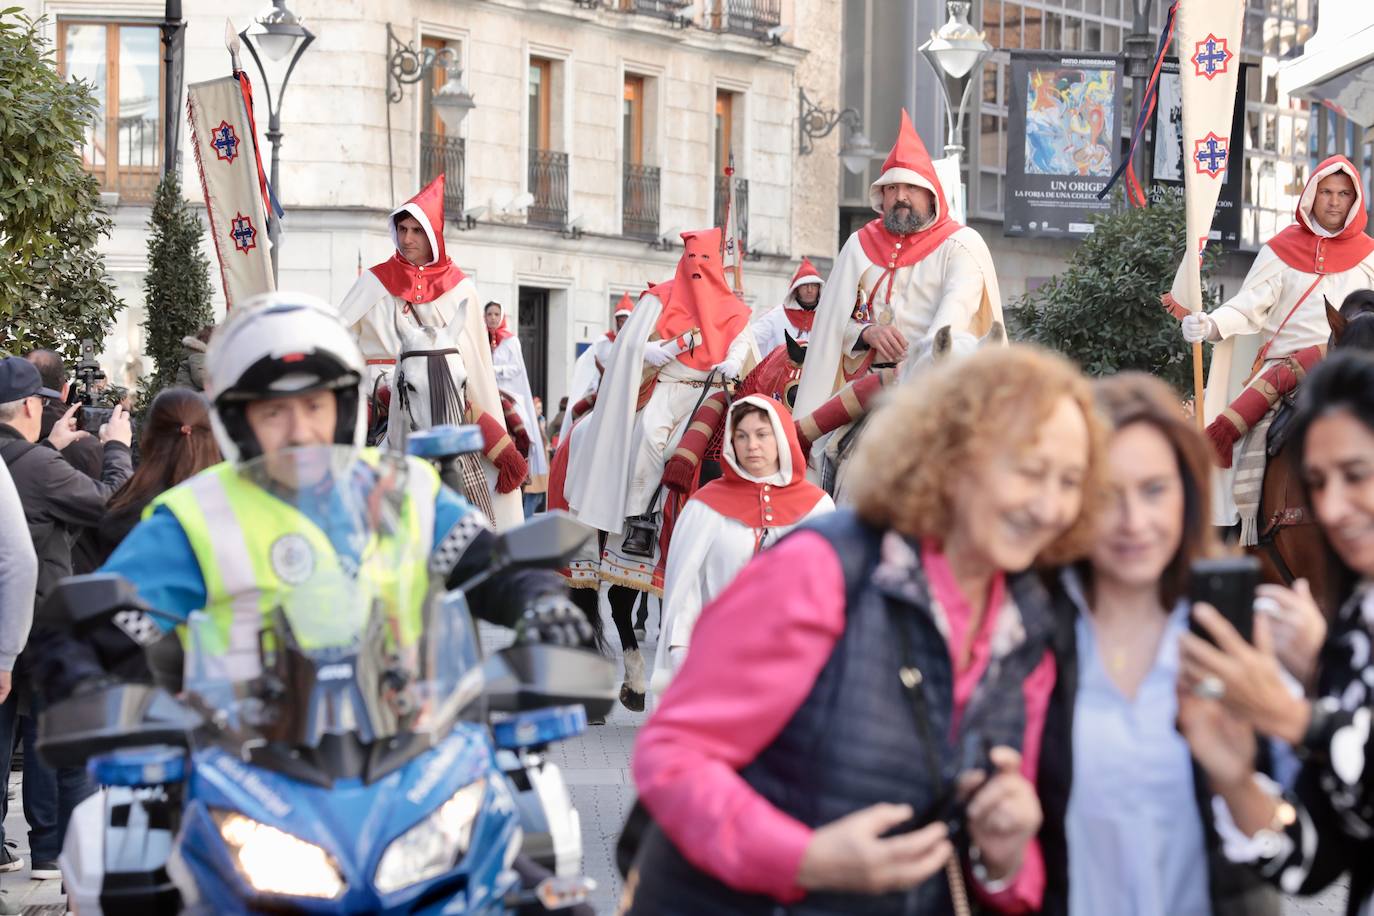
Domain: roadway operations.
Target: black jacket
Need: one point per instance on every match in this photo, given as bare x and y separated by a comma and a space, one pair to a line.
85, 454
58, 499
1235, 889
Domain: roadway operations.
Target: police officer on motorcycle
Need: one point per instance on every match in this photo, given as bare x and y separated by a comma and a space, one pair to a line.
284, 373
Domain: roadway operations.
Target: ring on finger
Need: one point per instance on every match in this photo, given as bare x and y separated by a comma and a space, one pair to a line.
1210, 687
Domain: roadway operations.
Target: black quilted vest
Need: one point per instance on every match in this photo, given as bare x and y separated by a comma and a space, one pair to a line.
855, 740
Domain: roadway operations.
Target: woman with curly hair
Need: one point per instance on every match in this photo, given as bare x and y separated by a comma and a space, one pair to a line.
880, 663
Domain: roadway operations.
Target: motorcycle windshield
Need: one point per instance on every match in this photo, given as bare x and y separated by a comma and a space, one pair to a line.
344, 634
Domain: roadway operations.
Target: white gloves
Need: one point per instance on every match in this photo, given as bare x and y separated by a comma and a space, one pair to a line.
1198, 327
657, 354
729, 369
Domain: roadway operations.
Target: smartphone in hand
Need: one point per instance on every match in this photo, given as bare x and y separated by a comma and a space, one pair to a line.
1227, 584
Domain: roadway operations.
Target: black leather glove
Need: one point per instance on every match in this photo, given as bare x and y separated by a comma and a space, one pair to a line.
555, 620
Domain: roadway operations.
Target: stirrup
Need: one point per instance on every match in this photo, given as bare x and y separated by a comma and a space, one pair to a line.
640, 533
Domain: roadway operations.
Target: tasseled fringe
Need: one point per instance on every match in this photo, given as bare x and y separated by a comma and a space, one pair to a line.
1223, 436
1249, 530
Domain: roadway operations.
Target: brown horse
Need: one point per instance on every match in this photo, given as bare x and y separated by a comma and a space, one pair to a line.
1290, 546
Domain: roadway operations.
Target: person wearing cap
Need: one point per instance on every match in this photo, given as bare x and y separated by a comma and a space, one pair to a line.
83, 451
58, 500
795, 316
284, 373
911, 272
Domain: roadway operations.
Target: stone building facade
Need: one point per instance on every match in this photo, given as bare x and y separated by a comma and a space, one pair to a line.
599, 134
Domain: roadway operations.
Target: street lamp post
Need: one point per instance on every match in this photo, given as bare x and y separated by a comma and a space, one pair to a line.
406, 66
955, 53
278, 31
172, 29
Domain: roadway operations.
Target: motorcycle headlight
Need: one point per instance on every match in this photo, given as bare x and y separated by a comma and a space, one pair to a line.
432, 846
275, 862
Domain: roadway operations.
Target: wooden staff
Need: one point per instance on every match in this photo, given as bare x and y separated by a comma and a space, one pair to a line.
1198, 388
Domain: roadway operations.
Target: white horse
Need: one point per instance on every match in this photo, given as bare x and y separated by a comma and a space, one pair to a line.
945, 346
428, 390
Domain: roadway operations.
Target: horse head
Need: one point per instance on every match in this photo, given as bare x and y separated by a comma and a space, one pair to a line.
429, 376
1353, 326
778, 373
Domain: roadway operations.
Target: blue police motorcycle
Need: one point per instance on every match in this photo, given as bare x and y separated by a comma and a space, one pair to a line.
345, 758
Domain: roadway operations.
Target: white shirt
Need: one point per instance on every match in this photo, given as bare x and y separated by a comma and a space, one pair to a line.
770, 328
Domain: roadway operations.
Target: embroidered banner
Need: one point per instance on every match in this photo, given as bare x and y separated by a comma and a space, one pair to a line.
1208, 43
227, 157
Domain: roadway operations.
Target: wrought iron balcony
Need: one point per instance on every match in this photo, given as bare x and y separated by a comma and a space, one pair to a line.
639, 214
662, 9
741, 207
549, 184
446, 156
746, 17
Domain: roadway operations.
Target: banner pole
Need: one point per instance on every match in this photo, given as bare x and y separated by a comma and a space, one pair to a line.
1198, 390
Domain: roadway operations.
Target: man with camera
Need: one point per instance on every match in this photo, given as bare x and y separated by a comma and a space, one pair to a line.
81, 450
57, 500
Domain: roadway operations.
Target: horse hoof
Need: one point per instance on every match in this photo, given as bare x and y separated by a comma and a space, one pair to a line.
641, 634
631, 700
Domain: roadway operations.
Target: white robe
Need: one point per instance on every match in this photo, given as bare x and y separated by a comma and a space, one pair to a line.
511, 377
709, 550
1252, 316
955, 285
618, 466
770, 328
372, 313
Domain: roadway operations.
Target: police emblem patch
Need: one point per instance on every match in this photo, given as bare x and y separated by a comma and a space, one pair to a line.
292, 559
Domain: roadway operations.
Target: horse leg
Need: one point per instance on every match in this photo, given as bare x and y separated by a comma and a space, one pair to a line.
588, 601
622, 600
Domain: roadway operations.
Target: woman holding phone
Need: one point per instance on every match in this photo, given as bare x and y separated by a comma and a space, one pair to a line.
1305, 838
1125, 828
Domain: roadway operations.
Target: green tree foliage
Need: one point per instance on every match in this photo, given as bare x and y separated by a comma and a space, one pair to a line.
177, 285
1103, 311
54, 289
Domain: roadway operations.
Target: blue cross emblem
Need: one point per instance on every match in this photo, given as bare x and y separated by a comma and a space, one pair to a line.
1210, 154
243, 233
1211, 57
225, 142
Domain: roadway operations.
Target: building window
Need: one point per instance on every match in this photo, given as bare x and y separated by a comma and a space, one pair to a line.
729, 110
122, 62
441, 153
548, 166
640, 196
745, 17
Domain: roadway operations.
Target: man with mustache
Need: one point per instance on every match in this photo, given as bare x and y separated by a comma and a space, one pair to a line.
910, 272
1274, 330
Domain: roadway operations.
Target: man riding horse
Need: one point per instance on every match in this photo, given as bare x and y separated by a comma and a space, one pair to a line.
1275, 329
417, 287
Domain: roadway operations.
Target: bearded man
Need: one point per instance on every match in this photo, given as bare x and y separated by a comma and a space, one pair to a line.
910, 272
1274, 329
419, 285
795, 317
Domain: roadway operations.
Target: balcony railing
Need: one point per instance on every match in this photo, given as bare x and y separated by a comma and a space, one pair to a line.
746, 17
549, 185
639, 215
139, 166
741, 207
440, 155
663, 9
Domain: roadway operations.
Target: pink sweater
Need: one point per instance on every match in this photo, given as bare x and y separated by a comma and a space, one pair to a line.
745, 677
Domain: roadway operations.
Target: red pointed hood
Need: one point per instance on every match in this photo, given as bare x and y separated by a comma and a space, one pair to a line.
782, 499
908, 163
426, 282
625, 306
699, 297
1307, 247
806, 273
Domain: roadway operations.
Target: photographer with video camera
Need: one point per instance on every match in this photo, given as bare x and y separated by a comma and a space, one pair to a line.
82, 450
58, 500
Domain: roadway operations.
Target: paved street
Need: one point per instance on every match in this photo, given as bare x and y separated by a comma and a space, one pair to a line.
597, 769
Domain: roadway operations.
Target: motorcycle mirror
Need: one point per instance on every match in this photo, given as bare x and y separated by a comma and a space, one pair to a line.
535, 675
120, 716
549, 540
79, 600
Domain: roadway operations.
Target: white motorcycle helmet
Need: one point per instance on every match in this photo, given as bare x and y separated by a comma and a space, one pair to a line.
278, 345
